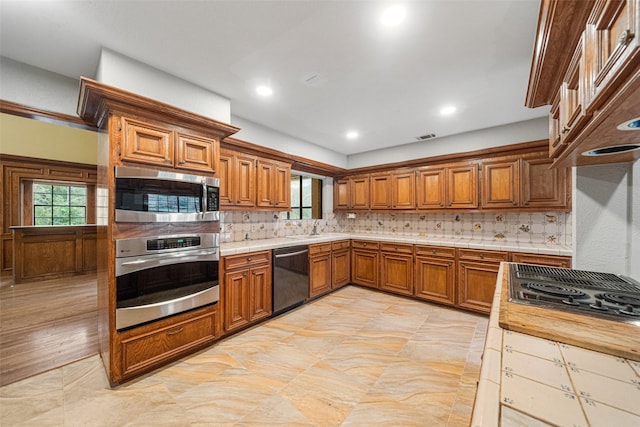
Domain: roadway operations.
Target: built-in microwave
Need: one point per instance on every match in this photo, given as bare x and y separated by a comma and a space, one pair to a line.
149, 195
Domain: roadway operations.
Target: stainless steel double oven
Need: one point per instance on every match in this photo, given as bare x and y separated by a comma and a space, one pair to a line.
162, 275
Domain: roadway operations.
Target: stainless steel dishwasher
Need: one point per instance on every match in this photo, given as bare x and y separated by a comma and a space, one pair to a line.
290, 278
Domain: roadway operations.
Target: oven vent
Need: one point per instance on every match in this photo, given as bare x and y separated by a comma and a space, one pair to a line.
425, 137
587, 279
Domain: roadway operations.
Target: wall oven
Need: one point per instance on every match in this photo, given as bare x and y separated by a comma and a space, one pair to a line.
160, 276
149, 195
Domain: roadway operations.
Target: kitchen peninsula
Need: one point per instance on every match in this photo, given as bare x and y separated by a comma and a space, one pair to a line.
526, 380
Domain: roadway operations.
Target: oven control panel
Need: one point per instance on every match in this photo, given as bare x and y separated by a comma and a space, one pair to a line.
172, 243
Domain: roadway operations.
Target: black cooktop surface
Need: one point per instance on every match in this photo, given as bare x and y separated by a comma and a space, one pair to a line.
603, 295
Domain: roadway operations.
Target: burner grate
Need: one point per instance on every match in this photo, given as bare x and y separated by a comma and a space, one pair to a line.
584, 279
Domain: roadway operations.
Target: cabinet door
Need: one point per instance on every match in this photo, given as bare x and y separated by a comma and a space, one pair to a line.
543, 186
403, 186
340, 268
435, 279
245, 180
612, 40
319, 274
146, 143
477, 284
364, 268
196, 153
266, 182
431, 188
359, 187
462, 183
281, 196
500, 184
260, 293
341, 194
556, 144
396, 273
236, 299
380, 197
227, 180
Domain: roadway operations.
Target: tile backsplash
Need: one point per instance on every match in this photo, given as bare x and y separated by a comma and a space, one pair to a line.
530, 227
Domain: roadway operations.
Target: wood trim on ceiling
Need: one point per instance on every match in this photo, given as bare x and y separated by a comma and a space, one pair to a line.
21, 110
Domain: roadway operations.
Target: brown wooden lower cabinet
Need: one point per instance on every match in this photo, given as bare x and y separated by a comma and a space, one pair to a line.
319, 269
145, 351
42, 253
364, 263
435, 274
477, 275
246, 289
396, 268
340, 263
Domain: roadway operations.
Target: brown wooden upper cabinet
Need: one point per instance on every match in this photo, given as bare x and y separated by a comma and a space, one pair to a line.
158, 145
351, 192
462, 186
274, 185
237, 179
500, 183
587, 68
431, 188
525, 182
393, 190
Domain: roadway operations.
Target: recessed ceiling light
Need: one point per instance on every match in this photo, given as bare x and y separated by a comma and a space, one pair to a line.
263, 90
352, 134
448, 110
393, 16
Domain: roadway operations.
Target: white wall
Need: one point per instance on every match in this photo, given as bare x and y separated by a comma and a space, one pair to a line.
607, 218
125, 73
37, 88
267, 137
529, 130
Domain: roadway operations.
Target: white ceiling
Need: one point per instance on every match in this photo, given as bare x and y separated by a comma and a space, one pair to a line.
387, 83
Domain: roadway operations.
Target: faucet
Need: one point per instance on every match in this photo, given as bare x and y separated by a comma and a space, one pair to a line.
314, 230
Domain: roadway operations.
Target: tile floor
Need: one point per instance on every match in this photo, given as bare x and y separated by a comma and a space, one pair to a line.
354, 357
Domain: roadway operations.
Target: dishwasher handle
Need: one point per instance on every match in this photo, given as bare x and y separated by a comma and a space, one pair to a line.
304, 251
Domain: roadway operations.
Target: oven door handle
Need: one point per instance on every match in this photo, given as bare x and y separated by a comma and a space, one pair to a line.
128, 265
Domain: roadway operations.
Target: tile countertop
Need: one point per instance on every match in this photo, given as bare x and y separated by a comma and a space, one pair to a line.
525, 380
496, 245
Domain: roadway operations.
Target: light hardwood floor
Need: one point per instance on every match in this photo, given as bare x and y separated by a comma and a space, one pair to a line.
46, 324
355, 357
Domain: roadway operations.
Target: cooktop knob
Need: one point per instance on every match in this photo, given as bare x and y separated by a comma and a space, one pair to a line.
570, 301
598, 306
629, 310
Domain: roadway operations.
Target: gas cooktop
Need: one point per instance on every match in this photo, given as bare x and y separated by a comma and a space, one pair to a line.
590, 293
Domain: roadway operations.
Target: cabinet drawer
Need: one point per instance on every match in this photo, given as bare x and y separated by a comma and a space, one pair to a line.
246, 260
438, 251
319, 248
482, 255
342, 244
549, 260
144, 351
365, 244
400, 248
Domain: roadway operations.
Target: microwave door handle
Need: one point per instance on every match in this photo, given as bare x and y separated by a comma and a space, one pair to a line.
205, 197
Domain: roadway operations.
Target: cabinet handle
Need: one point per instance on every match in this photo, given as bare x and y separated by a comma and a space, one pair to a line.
565, 129
254, 273
182, 162
238, 202
481, 256
167, 160
175, 331
244, 274
433, 251
249, 259
624, 37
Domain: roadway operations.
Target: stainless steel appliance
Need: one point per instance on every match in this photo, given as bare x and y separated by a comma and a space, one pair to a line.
160, 276
589, 293
290, 278
149, 195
